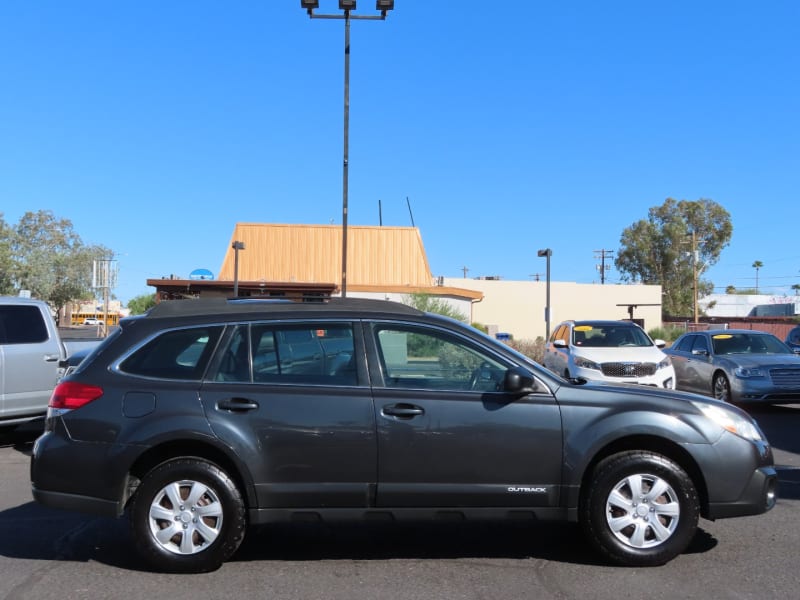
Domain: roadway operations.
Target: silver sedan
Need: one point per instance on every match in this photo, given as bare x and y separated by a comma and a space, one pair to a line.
736, 366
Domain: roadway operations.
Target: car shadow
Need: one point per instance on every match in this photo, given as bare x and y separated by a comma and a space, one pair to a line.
21, 437
72, 537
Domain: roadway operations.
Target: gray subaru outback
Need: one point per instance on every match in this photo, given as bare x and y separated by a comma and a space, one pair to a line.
206, 416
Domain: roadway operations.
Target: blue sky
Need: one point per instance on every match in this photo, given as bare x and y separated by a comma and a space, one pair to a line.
156, 125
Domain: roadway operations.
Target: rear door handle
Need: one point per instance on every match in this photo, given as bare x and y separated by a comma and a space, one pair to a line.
51, 357
402, 411
237, 405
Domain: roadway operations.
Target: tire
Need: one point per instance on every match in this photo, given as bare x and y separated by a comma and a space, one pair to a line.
721, 387
647, 531
169, 500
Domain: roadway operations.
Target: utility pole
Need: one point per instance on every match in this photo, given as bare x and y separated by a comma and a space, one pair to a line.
465, 270
602, 267
694, 276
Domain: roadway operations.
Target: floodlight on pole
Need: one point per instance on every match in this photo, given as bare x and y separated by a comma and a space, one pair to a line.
547, 253
346, 5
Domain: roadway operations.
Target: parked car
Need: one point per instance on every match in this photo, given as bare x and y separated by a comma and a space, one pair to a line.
32, 359
615, 351
737, 366
92, 321
204, 416
793, 339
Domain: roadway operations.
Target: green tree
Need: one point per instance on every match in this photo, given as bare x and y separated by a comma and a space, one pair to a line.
50, 259
428, 303
757, 265
141, 304
6, 261
666, 248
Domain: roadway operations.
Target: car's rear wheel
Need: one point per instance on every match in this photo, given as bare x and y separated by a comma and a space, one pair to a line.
640, 509
721, 387
187, 516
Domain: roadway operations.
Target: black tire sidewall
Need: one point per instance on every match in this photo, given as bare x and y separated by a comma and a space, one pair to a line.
611, 471
233, 516
724, 378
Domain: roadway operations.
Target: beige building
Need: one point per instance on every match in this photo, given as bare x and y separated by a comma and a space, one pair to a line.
304, 262
518, 307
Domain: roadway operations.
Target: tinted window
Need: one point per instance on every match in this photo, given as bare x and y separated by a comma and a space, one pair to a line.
177, 354
417, 358
317, 353
700, 344
21, 325
684, 344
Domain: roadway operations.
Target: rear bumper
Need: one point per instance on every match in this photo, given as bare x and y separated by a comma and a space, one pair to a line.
758, 496
85, 504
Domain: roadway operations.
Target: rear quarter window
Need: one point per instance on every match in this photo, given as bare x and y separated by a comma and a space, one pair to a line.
177, 354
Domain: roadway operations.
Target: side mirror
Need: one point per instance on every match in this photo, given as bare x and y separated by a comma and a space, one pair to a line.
559, 343
700, 352
660, 343
518, 381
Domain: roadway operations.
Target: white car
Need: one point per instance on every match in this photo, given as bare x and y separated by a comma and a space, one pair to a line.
615, 351
91, 321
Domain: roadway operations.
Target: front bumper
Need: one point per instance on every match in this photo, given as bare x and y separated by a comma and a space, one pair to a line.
759, 496
662, 379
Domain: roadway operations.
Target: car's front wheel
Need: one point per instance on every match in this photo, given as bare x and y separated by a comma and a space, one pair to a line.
187, 516
640, 509
721, 387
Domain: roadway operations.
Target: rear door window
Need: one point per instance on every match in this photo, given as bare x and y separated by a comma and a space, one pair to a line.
314, 353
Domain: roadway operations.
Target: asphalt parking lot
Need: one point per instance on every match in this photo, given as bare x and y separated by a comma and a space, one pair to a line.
51, 554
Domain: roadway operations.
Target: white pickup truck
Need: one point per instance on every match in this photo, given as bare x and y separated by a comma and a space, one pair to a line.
32, 358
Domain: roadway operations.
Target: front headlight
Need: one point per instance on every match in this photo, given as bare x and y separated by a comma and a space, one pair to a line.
745, 372
585, 363
730, 420
664, 363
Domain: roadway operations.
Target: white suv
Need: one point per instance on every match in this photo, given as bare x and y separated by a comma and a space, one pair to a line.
617, 351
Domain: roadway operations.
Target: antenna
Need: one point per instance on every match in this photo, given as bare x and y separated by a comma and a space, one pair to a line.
380, 214
409, 212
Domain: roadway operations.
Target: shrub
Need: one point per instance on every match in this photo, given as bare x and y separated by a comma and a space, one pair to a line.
669, 333
533, 349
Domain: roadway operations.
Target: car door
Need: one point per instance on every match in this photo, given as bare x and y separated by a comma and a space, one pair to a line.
448, 435
701, 365
28, 361
681, 354
302, 422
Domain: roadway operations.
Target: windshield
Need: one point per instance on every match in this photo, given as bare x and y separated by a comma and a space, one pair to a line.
609, 336
748, 343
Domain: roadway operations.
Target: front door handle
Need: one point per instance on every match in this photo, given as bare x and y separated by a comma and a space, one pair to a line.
402, 411
237, 405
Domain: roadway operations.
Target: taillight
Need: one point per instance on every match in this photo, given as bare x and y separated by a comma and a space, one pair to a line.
71, 394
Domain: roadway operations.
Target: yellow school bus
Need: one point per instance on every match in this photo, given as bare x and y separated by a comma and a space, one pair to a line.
94, 318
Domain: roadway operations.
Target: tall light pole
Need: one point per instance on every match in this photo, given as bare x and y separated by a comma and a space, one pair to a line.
383, 6
547, 253
236, 247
